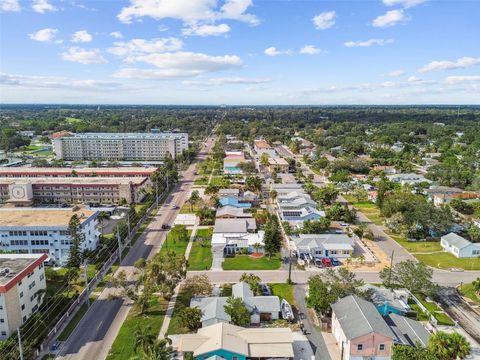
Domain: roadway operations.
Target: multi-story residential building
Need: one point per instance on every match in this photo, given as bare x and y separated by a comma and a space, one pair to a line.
79, 190
22, 276
119, 146
46, 231
263, 147
30, 172
277, 164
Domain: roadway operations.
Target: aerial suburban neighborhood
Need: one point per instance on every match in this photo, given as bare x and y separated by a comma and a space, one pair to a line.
239, 180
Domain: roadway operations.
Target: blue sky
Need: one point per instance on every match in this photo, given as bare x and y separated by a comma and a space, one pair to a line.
240, 52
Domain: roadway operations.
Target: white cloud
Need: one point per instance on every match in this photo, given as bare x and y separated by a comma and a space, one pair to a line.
188, 11
178, 64
10, 5
141, 46
83, 56
81, 36
273, 51
206, 30
42, 6
116, 34
49, 82
461, 63
404, 3
462, 79
310, 50
368, 43
44, 35
390, 18
234, 80
396, 73
324, 20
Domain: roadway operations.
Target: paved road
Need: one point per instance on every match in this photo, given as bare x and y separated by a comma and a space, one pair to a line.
96, 332
314, 334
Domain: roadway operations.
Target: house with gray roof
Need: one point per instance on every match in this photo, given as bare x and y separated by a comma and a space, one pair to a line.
459, 246
388, 301
262, 308
232, 235
407, 331
360, 330
232, 212
233, 193
323, 245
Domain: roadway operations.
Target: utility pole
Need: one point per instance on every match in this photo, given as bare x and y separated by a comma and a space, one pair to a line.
119, 245
85, 266
290, 266
128, 223
20, 348
390, 272
156, 193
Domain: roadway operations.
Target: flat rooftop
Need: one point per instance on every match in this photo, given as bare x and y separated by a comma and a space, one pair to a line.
35, 217
112, 171
262, 144
15, 263
97, 180
124, 136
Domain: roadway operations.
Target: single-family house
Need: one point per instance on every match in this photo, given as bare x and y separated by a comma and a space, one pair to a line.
284, 189
372, 195
232, 212
360, 330
407, 331
313, 246
408, 178
230, 342
233, 193
277, 164
459, 246
232, 235
263, 147
262, 308
389, 170
250, 197
231, 161
296, 206
440, 194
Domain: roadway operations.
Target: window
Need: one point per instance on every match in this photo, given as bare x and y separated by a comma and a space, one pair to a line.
359, 347
23, 307
381, 347
32, 285
21, 294
4, 333
2, 321
42, 276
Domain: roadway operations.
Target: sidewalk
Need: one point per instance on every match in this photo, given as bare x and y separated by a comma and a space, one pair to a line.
173, 300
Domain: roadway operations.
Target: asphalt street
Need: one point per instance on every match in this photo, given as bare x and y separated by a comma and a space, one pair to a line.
97, 330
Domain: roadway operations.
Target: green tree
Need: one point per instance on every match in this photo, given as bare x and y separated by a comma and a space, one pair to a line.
253, 282
193, 199
407, 352
75, 256
325, 195
253, 183
272, 238
319, 226
409, 274
198, 285
238, 312
264, 159
474, 233
144, 338
190, 318
445, 346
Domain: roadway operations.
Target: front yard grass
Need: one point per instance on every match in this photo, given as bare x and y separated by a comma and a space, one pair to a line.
173, 244
123, 347
416, 246
201, 253
283, 291
443, 260
246, 262
183, 301
468, 291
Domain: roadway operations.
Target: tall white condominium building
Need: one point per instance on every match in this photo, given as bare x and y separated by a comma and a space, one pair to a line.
45, 231
21, 277
120, 146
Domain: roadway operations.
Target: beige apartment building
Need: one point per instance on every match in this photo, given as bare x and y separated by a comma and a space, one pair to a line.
21, 277
28, 172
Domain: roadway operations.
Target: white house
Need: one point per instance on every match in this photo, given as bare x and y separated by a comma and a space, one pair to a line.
459, 246
408, 179
323, 245
233, 234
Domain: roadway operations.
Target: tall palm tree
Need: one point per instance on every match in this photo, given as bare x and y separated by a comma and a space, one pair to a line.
476, 285
144, 338
449, 346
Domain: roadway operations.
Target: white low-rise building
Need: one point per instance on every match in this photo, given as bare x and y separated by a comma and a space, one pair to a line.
46, 231
323, 245
408, 179
22, 276
232, 235
459, 246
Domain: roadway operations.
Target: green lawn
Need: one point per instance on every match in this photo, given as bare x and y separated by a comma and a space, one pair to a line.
246, 262
202, 180
201, 253
283, 291
183, 301
432, 308
468, 291
123, 346
369, 209
445, 260
173, 244
418, 246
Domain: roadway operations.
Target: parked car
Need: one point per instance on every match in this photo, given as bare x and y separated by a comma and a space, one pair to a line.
266, 290
318, 263
165, 227
335, 261
326, 262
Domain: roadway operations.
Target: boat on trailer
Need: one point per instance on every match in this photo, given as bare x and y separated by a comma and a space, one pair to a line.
287, 312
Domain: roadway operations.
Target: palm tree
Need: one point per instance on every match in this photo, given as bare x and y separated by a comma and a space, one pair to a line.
257, 246
144, 338
476, 285
446, 346
160, 350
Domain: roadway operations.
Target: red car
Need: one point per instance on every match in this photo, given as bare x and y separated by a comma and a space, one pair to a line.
326, 262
